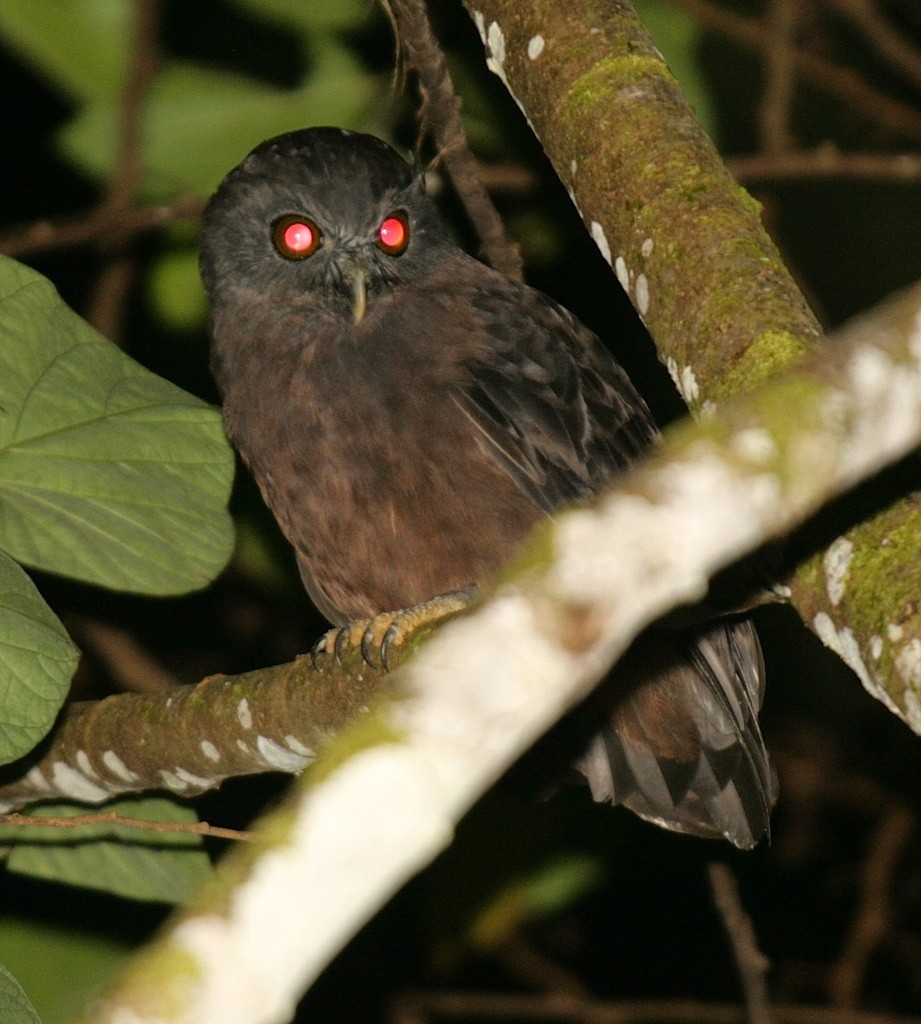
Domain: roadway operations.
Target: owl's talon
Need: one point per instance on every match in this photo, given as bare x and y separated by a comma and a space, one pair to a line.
367, 647
375, 638
393, 631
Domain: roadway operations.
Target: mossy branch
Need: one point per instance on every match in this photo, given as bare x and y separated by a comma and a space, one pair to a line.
686, 243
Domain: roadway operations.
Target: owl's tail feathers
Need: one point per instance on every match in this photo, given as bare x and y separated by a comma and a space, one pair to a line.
682, 747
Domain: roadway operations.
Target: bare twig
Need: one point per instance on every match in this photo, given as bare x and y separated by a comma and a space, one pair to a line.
417, 1007
111, 290
95, 226
750, 961
887, 42
827, 162
871, 922
529, 965
897, 117
110, 818
440, 116
132, 667
780, 79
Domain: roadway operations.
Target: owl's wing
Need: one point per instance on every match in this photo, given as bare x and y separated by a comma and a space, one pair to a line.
548, 401
682, 746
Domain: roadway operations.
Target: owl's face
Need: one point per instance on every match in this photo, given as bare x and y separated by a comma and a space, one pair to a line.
321, 217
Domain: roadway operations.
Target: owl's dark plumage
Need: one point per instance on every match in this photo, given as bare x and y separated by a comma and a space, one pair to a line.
409, 416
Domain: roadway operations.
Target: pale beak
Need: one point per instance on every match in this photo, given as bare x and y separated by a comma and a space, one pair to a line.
359, 293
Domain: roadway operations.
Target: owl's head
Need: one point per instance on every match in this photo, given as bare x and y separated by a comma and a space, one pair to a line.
334, 217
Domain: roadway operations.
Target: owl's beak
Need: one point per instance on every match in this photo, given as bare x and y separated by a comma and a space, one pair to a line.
359, 292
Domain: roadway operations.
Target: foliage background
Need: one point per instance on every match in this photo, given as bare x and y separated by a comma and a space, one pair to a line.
536, 894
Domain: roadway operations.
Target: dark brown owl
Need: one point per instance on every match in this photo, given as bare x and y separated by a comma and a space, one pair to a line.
410, 414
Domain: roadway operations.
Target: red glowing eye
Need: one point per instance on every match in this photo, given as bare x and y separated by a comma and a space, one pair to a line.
393, 234
295, 237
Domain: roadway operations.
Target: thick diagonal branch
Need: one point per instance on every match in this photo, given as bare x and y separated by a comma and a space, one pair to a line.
687, 244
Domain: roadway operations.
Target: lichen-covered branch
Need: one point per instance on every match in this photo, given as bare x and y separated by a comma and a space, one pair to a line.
385, 798
687, 245
191, 739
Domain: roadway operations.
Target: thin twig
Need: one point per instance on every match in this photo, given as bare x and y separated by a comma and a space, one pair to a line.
780, 78
196, 828
887, 42
107, 303
827, 162
872, 919
439, 115
416, 1007
132, 667
750, 961
95, 226
899, 118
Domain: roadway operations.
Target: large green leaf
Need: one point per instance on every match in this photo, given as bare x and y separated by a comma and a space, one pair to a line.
201, 122
15, 1007
80, 45
37, 661
163, 866
61, 964
107, 472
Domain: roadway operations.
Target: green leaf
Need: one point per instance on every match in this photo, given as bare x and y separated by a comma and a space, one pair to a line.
80, 45
677, 35
176, 291
165, 867
201, 122
37, 662
61, 965
316, 16
108, 473
549, 889
15, 1007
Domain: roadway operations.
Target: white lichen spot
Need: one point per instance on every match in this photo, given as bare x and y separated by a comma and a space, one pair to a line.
689, 387
642, 294
241, 745
894, 631
173, 782
780, 589
35, 778
876, 647
85, 765
244, 715
536, 46
646, 248
198, 781
601, 240
277, 757
837, 563
844, 644
480, 23
620, 269
573, 167
708, 412
114, 764
755, 444
210, 751
495, 44
299, 748
908, 663
74, 784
